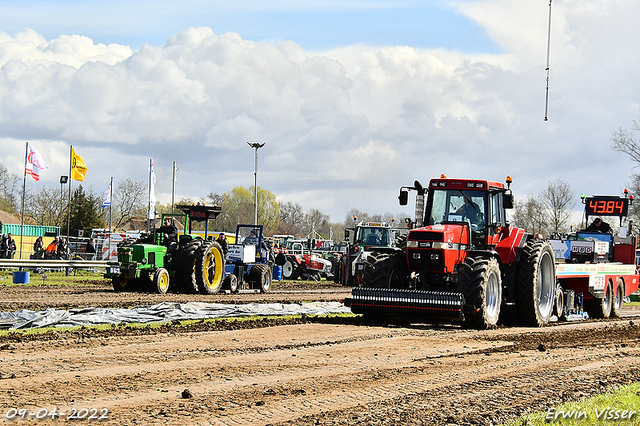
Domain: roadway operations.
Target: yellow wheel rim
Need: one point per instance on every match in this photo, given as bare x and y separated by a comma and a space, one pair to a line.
213, 268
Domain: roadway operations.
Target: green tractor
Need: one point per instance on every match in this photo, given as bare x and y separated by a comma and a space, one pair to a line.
194, 264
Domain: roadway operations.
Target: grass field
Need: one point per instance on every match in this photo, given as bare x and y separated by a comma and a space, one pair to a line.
618, 407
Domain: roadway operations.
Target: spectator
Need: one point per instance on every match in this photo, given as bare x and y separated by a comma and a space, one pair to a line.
222, 240
38, 249
3, 247
63, 249
52, 249
90, 250
11, 246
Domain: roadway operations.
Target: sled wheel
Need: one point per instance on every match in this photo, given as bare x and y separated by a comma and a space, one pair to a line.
558, 305
601, 308
618, 299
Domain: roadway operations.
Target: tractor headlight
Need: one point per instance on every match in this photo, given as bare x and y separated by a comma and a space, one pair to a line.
412, 244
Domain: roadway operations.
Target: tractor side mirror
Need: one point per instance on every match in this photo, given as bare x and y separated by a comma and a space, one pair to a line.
508, 201
403, 198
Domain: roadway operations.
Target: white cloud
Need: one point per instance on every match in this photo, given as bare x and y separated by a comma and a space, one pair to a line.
344, 128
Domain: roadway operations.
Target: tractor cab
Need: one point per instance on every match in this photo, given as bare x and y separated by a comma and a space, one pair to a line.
251, 235
477, 204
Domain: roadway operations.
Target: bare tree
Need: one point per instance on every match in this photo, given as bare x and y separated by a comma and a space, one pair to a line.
558, 200
47, 207
530, 215
625, 140
9, 190
129, 199
291, 219
316, 222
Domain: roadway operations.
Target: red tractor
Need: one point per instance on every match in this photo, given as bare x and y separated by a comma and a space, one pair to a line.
465, 264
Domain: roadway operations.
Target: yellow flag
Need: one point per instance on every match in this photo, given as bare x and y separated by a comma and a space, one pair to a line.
78, 169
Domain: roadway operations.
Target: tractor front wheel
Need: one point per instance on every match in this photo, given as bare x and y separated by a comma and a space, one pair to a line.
383, 270
481, 284
160, 282
122, 283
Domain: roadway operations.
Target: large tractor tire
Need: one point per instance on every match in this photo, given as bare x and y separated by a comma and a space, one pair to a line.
184, 265
209, 267
480, 281
160, 282
260, 277
121, 283
601, 308
536, 285
385, 270
618, 300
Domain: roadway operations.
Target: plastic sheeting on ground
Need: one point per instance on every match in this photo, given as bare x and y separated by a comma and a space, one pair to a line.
162, 312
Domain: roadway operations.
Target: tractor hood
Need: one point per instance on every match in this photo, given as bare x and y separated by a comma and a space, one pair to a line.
437, 248
444, 236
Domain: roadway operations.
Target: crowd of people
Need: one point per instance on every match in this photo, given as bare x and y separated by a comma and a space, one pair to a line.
7, 247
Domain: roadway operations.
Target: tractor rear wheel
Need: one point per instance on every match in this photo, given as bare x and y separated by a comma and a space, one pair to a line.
536, 284
618, 299
184, 265
288, 269
385, 270
601, 308
209, 267
160, 282
260, 277
480, 281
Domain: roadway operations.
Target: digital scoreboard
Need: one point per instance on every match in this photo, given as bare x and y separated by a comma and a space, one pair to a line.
606, 206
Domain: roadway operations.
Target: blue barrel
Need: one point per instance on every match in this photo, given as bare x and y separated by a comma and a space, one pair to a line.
21, 277
277, 272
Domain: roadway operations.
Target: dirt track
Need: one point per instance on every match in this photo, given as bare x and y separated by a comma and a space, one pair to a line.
305, 371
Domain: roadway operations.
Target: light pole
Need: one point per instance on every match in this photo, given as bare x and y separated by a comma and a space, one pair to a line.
256, 146
63, 180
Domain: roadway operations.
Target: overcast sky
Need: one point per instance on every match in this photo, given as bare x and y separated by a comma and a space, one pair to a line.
353, 98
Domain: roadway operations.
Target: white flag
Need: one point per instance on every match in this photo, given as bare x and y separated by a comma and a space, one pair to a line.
152, 192
34, 163
175, 169
106, 197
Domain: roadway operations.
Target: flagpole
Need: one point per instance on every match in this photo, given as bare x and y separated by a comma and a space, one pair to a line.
173, 185
149, 198
24, 190
69, 199
110, 198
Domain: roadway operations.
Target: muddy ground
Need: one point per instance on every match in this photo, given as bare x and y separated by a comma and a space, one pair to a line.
301, 371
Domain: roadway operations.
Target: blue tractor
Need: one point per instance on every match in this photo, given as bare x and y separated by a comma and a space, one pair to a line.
248, 262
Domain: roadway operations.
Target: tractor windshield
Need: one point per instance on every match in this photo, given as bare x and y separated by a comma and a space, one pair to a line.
248, 235
457, 206
373, 236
